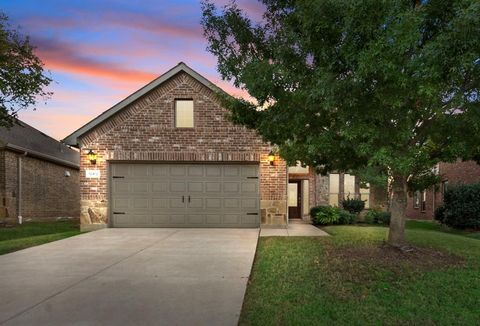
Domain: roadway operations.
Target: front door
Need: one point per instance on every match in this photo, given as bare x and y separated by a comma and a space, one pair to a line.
294, 199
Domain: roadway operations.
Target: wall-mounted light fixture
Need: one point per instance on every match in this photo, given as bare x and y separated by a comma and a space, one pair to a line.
92, 157
271, 158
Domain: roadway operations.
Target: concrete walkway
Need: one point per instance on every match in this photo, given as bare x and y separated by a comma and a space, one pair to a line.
130, 277
293, 230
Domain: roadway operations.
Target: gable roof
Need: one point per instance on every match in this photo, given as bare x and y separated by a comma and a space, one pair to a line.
22, 137
72, 139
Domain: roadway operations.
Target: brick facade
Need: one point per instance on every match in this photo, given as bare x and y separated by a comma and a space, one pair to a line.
144, 131
46, 193
452, 173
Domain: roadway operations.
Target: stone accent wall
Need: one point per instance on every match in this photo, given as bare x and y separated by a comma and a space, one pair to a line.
144, 131
46, 193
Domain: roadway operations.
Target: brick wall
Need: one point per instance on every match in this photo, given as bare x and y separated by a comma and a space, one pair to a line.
455, 174
46, 193
145, 131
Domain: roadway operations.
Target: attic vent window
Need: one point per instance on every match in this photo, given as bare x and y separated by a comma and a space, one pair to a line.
184, 113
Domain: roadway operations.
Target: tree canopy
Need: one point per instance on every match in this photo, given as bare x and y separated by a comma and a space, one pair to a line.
22, 78
386, 86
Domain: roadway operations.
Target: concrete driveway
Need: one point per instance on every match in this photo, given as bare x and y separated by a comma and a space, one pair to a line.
130, 277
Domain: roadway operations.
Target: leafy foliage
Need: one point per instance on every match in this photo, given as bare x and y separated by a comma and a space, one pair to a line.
22, 78
375, 216
461, 207
327, 215
389, 86
353, 205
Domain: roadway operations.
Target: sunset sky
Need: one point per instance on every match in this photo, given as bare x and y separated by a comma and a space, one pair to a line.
99, 52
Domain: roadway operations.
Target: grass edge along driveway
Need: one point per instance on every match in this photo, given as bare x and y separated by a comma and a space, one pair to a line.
346, 279
32, 234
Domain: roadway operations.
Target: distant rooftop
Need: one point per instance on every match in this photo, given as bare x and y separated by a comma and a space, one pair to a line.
23, 137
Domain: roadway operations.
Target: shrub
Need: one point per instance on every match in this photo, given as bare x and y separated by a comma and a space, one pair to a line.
346, 217
354, 206
439, 214
326, 215
461, 207
375, 216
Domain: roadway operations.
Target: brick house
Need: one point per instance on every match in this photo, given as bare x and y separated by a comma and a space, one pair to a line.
39, 177
167, 156
422, 204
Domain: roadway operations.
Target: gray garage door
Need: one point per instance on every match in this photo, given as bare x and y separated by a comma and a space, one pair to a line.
184, 195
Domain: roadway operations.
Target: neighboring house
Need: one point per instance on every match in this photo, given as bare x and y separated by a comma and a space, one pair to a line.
422, 204
38, 176
167, 156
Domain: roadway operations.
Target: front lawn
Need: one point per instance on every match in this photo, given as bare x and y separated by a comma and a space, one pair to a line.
350, 279
35, 233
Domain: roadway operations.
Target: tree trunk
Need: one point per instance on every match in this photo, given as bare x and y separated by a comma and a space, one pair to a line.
398, 205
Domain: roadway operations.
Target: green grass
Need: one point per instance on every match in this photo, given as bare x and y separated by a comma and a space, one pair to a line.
304, 281
35, 233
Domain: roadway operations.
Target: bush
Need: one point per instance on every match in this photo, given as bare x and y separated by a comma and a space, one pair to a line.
346, 217
439, 214
461, 207
375, 216
354, 206
327, 215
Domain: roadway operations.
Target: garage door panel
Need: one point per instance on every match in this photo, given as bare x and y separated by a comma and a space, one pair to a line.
121, 169
231, 187
177, 186
160, 186
141, 203
160, 219
195, 171
140, 187
213, 219
185, 195
140, 170
232, 219
213, 171
195, 203
177, 170
195, 186
120, 203
213, 186
120, 187
177, 219
195, 219
249, 188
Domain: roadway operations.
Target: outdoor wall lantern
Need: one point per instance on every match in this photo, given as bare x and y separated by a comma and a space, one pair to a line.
92, 157
271, 158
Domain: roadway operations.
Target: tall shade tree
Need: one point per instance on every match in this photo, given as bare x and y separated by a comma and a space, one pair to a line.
22, 78
389, 87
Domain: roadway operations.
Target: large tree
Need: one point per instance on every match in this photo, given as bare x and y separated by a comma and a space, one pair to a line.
386, 86
22, 78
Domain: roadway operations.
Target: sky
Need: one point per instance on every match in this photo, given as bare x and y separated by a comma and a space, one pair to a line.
99, 52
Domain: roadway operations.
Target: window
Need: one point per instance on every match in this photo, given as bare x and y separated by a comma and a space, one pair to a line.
416, 199
444, 187
424, 200
349, 186
365, 195
184, 113
334, 188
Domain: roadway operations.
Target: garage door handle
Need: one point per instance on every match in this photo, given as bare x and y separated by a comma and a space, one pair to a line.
252, 213
121, 213
188, 198
183, 199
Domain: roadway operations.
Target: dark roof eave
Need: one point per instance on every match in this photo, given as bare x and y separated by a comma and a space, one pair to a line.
42, 156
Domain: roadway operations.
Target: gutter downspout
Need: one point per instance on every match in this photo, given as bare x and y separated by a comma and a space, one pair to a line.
19, 195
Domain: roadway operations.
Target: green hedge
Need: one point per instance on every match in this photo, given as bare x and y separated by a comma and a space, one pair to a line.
375, 216
328, 215
461, 207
